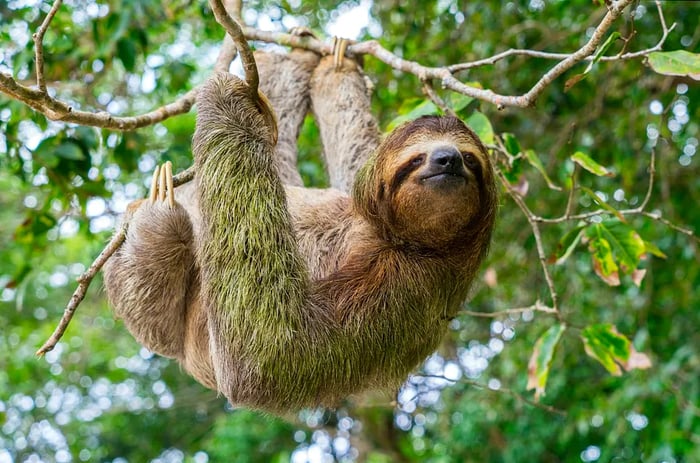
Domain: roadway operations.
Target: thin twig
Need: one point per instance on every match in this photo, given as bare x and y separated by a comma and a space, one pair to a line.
538, 306
84, 281
587, 50
686, 231
503, 390
572, 191
531, 218
38, 37
436, 99
650, 188
562, 56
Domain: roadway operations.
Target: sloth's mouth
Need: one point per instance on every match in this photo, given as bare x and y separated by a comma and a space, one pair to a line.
447, 176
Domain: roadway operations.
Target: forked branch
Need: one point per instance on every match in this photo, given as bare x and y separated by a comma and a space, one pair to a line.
55, 109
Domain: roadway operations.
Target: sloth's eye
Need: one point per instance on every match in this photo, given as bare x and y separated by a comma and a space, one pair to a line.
470, 160
418, 160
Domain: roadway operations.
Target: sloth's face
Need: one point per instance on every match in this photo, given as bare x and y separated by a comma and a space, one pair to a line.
433, 187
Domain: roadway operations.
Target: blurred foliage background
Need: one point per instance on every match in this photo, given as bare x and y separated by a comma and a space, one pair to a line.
99, 396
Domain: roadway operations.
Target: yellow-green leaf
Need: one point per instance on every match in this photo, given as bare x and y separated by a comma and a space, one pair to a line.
613, 350
535, 162
585, 161
598, 54
541, 360
626, 243
653, 249
676, 63
511, 143
458, 101
603, 263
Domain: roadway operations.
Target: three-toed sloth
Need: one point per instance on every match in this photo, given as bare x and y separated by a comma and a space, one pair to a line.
280, 296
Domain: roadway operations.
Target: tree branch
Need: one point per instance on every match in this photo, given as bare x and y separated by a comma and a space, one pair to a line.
38, 37
57, 110
562, 56
228, 49
84, 281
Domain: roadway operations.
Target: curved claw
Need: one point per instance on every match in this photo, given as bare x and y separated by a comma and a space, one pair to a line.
169, 183
162, 184
339, 46
153, 193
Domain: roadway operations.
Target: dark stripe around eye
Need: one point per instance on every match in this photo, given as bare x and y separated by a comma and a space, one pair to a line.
401, 175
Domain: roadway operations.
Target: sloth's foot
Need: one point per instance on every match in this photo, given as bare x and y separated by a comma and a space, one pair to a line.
162, 185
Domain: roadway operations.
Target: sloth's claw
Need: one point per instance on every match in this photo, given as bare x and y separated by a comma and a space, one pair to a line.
339, 46
162, 185
153, 193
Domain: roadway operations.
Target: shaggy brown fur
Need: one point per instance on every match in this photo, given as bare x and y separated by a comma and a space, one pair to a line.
285, 298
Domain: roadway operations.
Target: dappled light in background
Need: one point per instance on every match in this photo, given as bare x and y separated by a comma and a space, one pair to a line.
99, 396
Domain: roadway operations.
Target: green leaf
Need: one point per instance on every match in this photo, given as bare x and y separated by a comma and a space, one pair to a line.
45, 153
585, 161
126, 51
425, 108
541, 360
33, 227
598, 55
613, 350
616, 247
603, 205
511, 143
626, 243
69, 149
88, 137
601, 50
480, 124
568, 243
535, 162
676, 63
458, 101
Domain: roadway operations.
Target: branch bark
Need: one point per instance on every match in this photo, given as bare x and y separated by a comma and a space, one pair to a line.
58, 110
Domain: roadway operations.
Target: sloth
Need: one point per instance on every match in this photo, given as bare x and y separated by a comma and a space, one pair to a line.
282, 297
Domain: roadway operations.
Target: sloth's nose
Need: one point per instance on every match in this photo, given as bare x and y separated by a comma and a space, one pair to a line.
446, 157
